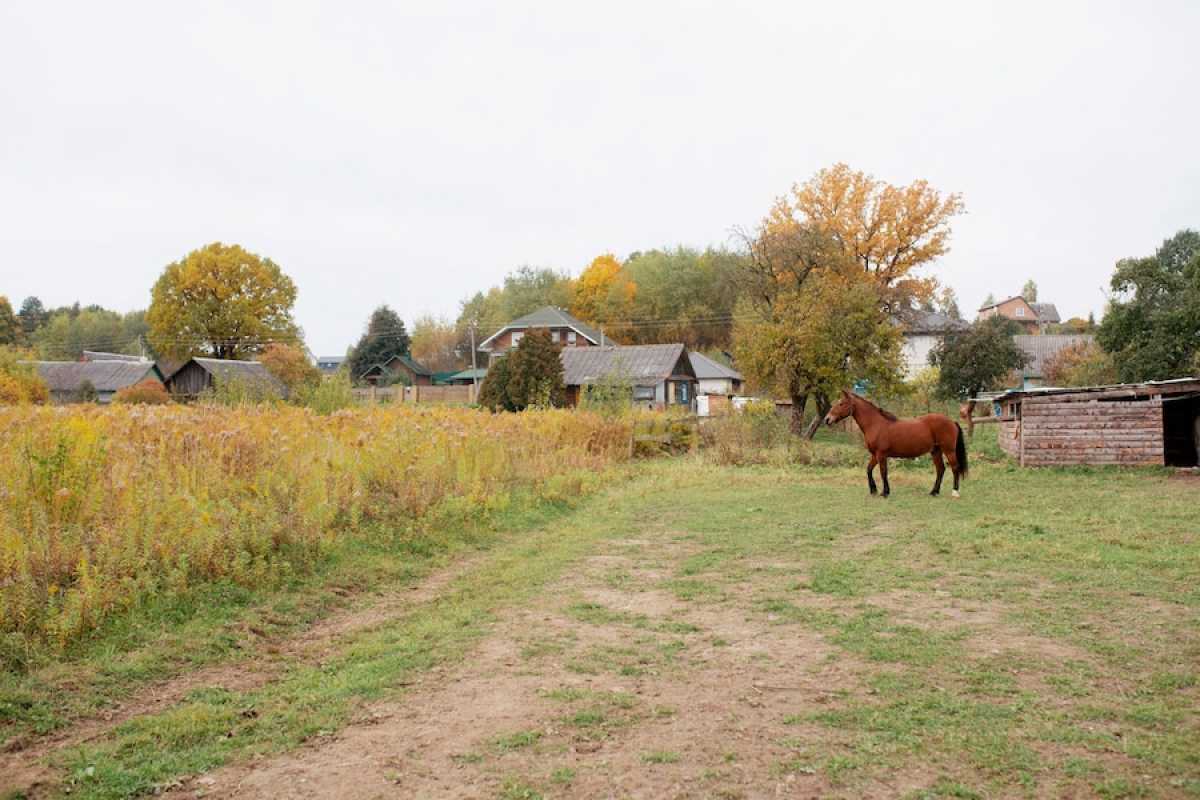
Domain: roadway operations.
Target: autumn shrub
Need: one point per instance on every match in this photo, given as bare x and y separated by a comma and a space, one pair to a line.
19, 382
1083, 363
747, 436
145, 393
102, 508
331, 393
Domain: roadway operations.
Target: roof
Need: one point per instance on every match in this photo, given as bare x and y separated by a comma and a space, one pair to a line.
413, 366
96, 355
105, 376
1005, 300
230, 369
469, 375
1173, 386
546, 317
643, 364
709, 369
1041, 348
927, 322
1047, 312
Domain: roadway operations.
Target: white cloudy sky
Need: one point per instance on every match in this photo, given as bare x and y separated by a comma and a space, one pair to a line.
411, 153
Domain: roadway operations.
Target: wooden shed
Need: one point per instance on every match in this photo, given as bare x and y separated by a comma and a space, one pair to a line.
197, 375
1155, 423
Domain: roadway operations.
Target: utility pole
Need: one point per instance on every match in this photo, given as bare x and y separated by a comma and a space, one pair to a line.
602, 336
474, 368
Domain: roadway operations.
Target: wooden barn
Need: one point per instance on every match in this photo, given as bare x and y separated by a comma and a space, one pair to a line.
197, 375
1156, 423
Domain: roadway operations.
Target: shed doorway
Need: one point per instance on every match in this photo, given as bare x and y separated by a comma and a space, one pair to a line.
1181, 431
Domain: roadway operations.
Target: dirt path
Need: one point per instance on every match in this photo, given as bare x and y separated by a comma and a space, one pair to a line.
615, 685
24, 762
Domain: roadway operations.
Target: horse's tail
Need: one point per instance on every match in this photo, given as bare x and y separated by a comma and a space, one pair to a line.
960, 451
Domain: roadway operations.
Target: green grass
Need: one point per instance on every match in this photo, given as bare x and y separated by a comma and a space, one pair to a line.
1040, 636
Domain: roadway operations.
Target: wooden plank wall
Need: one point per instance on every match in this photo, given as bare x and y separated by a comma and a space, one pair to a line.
1009, 437
1056, 430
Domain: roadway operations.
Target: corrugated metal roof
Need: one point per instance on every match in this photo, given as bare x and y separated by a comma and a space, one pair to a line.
546, 317
251, 371
926, 322
1047, 312
105, 376
1167, 386
96, 355
643, 364
707, 368
1041, 348
469, 375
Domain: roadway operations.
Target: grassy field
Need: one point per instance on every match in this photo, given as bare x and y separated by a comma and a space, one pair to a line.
690, 630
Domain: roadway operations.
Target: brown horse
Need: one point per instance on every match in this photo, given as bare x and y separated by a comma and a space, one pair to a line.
888, 437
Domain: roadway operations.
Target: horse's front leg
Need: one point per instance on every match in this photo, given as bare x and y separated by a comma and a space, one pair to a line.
887, 488
870, 476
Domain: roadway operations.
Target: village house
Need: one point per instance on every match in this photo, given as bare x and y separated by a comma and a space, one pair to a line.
1032, 317
197, 375
330, 364
564, 330
69, 381
399, 368
661, 375
714, 378
921, 334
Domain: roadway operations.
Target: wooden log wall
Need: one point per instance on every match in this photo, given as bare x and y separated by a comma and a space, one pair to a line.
1056, 431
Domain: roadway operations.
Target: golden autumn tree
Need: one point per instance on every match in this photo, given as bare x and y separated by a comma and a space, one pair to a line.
604, 292
291, 366
435, 344
810, 322
223, 301
889, 231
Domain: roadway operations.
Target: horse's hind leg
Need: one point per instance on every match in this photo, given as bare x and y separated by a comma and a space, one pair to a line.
953, 459
871, 477
940, 466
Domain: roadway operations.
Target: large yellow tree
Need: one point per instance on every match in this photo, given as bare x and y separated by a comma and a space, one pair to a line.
889, 231
223, 301
604, 292
810, 322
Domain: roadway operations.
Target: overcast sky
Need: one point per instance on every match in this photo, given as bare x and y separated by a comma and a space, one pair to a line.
413, 153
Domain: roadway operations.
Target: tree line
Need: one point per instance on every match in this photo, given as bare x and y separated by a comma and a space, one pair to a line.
810, 300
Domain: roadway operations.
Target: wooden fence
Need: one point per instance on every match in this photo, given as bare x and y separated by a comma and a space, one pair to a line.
460, 395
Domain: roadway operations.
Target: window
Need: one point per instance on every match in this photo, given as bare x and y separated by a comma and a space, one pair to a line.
1020, 311
643, 393
516, 337
681, 392
571, 337
554, 336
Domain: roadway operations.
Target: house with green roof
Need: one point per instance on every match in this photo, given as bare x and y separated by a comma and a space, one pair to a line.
399, 369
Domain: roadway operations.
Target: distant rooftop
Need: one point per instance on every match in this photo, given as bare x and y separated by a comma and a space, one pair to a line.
642, 365
709, 369
546, 317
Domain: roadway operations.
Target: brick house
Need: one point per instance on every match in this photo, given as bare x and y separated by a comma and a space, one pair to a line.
1032, 317
564, 330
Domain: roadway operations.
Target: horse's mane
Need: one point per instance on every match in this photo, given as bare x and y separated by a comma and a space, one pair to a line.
889, 416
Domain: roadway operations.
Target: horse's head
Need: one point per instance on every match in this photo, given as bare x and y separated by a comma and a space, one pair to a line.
843, 408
